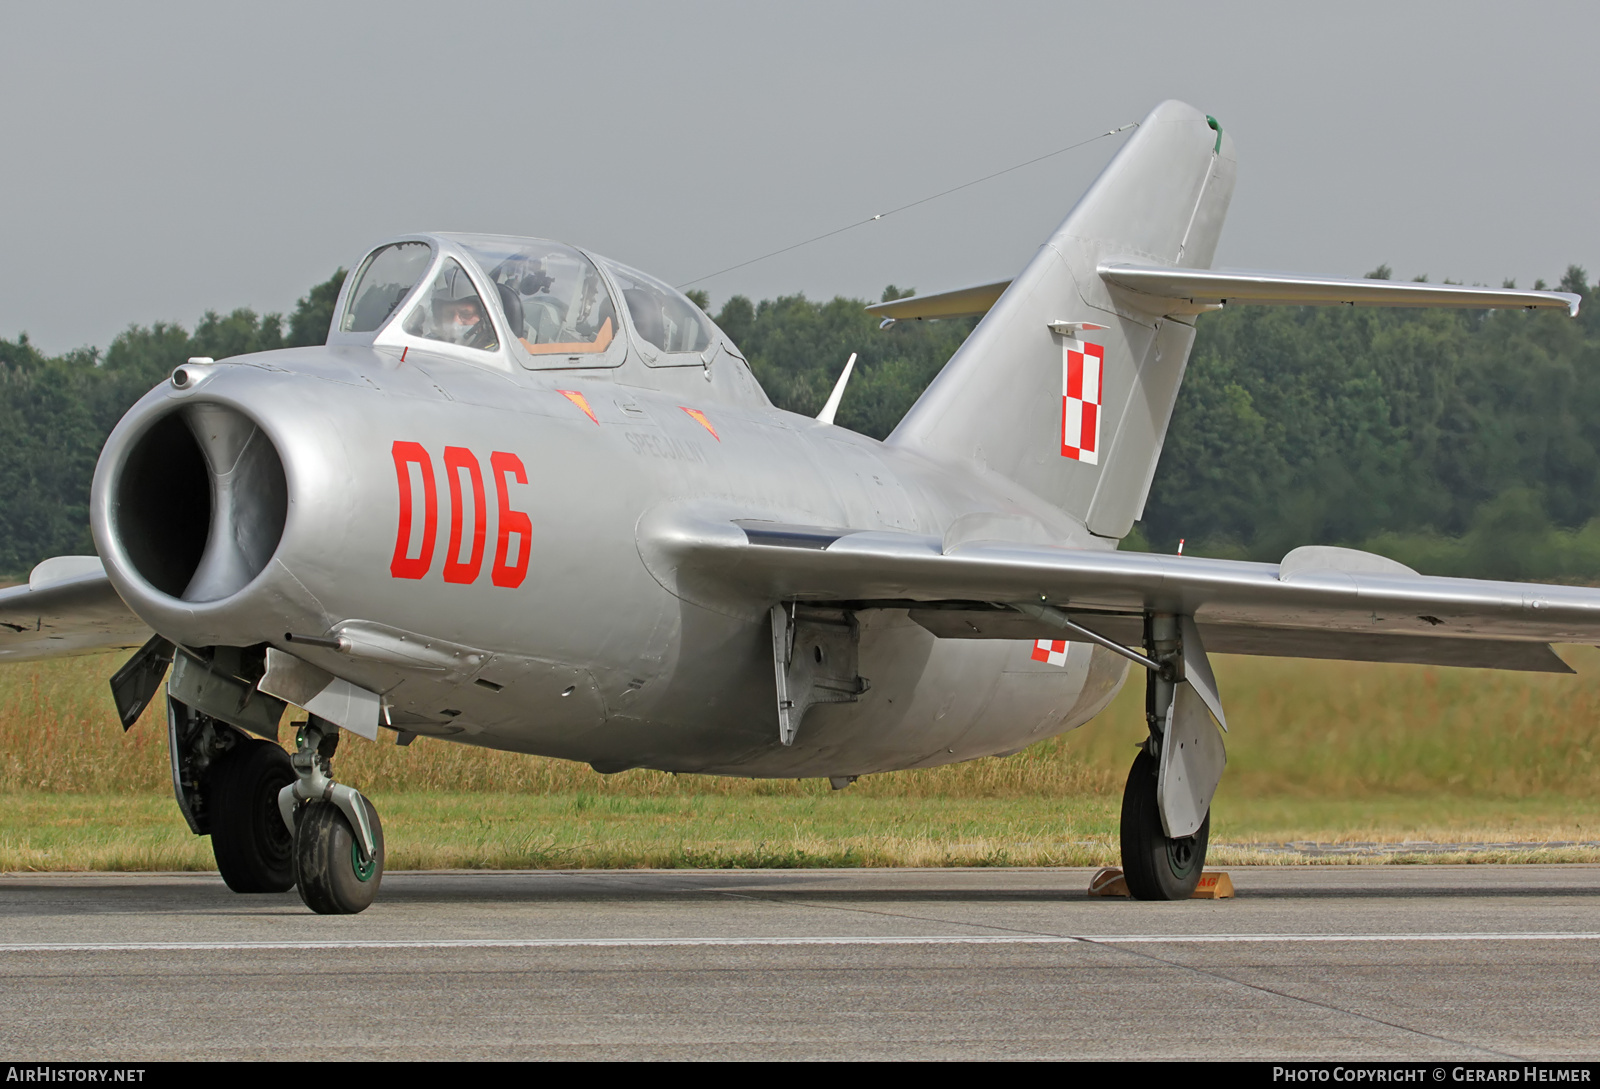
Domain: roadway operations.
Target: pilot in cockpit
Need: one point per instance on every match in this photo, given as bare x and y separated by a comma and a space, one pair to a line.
462, 321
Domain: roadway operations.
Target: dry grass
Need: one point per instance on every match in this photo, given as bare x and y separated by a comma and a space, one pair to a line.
1299, 729
1322, 751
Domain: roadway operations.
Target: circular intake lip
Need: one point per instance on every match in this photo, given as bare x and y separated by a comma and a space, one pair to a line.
154, 506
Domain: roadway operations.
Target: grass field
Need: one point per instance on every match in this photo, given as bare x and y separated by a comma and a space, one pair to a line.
1319, 751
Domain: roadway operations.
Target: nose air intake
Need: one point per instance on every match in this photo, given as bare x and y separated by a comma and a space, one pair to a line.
201, 503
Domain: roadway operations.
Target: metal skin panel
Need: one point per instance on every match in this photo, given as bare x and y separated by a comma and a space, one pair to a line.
1192, 759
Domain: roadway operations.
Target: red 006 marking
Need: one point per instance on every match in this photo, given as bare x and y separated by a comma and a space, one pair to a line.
460, 462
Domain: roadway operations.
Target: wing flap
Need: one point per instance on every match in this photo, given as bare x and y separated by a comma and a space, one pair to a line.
992, 623
1527, 657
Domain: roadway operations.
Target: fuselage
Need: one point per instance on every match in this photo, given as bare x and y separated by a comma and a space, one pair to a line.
482, 525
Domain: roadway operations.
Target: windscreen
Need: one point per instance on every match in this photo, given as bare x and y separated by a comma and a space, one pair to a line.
386, 277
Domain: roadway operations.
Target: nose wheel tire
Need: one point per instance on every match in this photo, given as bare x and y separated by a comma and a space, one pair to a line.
254, 850
330, 873
1155, 866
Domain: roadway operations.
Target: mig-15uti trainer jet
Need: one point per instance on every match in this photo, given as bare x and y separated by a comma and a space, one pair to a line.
531, 499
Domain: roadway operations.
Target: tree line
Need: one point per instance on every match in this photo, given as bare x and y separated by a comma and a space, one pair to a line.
1460, 442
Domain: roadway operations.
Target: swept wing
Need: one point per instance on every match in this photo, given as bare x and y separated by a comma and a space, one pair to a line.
67, 607
1319, 602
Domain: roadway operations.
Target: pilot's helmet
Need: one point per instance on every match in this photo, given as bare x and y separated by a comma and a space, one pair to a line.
460, 318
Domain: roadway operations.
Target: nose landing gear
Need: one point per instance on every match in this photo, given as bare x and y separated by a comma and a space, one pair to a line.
333, 871
338, 840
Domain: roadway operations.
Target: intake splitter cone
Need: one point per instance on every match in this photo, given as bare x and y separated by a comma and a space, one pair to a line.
249, 501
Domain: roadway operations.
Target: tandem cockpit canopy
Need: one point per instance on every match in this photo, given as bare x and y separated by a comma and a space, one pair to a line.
540, 303
552, 297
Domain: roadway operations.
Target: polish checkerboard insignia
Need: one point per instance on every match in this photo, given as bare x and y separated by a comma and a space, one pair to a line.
1082, 399
1053, 651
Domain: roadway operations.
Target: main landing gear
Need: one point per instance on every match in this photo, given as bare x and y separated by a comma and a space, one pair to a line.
1166, 805
253, 847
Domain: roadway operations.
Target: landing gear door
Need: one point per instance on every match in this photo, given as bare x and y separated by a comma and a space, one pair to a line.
1192, 759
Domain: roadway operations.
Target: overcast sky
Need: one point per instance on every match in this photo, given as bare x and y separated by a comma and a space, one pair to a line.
160, 160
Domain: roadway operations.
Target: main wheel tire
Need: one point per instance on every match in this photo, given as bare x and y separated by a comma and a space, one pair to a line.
1154, 866
253, 847
328, 870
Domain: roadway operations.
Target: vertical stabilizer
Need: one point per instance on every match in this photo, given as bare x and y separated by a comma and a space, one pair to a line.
1067, 385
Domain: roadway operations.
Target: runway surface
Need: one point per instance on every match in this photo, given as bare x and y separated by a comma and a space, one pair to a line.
1339, 962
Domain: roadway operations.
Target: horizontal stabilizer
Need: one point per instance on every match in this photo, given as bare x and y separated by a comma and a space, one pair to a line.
1210, 287
1213, 287
963, 302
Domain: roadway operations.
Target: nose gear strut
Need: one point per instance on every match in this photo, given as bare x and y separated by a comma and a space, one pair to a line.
338, 840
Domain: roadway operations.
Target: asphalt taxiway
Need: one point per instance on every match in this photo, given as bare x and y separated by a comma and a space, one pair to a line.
1343, 962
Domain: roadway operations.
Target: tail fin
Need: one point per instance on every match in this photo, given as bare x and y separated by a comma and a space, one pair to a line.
1067, 385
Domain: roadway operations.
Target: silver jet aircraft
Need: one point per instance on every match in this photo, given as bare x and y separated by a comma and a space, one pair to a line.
531, 499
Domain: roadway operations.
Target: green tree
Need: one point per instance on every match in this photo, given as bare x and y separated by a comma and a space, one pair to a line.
313, 314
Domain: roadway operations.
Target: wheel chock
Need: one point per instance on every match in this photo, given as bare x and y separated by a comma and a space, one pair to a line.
1214, 885
1108, 882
